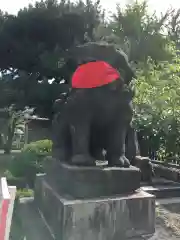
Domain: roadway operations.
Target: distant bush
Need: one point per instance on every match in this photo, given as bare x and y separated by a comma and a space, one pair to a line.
42, 147
25, 166
29, 162
22, 193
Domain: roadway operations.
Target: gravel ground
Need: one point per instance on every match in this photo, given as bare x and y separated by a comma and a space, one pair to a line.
163, 234
167, 222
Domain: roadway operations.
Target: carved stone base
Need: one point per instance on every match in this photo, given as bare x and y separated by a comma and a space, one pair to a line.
91, 182
146, 167
110, 218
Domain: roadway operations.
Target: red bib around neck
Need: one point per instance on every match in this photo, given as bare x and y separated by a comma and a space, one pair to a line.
94, 74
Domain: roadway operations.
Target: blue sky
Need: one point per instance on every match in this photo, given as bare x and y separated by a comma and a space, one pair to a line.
12, 6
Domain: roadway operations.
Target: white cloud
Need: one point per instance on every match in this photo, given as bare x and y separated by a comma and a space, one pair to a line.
12, 6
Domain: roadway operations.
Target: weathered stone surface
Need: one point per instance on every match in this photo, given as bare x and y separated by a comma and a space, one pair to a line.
108, 218
168, 172
146, 167
162, 188
90, 182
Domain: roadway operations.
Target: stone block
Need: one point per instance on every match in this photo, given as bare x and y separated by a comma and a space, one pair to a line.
91, 182
120, 217
146, 167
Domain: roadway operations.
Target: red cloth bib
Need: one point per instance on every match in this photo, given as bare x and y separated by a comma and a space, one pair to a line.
94, 74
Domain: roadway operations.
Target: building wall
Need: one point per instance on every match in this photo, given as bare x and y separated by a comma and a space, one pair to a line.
39, 130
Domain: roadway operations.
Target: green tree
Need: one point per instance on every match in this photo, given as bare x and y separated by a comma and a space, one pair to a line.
157, 106
140, 33
33, 42
173, 27
44, 31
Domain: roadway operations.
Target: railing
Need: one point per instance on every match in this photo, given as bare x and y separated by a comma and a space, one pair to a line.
7, 197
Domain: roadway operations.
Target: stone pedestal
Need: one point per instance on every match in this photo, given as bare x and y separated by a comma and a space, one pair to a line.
71, 216
91, 182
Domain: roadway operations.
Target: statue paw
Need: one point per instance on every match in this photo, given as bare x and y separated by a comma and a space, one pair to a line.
83, 160
126, 162
121, 161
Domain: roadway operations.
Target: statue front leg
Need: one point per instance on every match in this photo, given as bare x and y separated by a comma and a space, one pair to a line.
132, 145
61, 148
116, 146
117, 135
80, 133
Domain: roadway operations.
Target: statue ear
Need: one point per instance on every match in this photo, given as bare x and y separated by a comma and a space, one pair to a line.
123, 65
130, 76
122, 73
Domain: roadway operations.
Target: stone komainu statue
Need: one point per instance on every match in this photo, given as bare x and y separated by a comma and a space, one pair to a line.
99, 104
97, 112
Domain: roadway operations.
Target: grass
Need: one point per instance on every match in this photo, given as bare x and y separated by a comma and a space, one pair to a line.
22, 193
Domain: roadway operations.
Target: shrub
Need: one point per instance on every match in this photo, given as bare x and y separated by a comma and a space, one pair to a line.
25, 166
29, 162
19, 182
22, 193
42, 147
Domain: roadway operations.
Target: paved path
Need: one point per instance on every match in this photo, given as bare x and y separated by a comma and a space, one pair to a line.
27, 224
